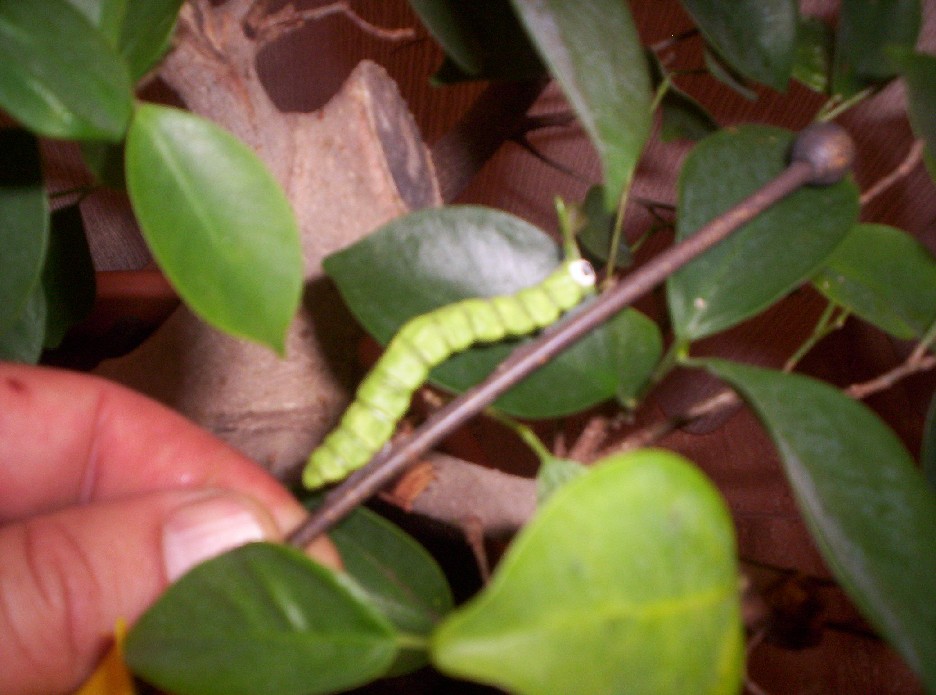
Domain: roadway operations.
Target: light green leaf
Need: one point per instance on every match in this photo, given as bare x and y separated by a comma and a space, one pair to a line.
919, 73
756, 37
868, 507
813, 64
216, 221
482, 40
21, 340
553, 473
260, 620
593, 50
769, 256
24, 222
865, 30
886, 277
400, 578
58, 74
68, 276
429, 258
147, 33
625, 581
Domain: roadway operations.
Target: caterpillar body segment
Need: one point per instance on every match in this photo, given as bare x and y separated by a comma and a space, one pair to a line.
423, 343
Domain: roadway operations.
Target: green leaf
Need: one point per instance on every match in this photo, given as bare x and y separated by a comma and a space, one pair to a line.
400, 578
813, 64
865, 30
928, 450
867, 506
728, 76
756, 37
261, 619
106, 161
919, 73
21, 340
216, 221
481, 40
682, 116
24, 222
886, 277
106, 15
593, 50
58, 75
625, 581
147, 33
767, 257
553, 474
424, 260
68, 276
597, 233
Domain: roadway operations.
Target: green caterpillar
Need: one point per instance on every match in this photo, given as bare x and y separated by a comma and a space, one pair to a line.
426, 341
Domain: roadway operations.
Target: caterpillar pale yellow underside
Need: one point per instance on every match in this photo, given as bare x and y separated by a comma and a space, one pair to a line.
426, 341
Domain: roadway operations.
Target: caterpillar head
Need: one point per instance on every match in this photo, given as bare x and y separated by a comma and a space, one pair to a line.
582, 272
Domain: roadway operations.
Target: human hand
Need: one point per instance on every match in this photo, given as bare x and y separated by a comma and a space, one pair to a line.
105, 498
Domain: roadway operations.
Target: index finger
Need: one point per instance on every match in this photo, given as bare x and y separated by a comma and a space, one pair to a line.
68, 438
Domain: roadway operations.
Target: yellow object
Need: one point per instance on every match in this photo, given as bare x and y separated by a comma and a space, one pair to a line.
111, 677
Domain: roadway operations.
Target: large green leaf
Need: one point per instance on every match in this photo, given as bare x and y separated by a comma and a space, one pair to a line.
482, 40
21, 340
756, 37
147, 31
870, 510
398, 575
886, 277
68, 275
24, 222
919, 73
59, 76
216, 221
434, 257
865, 30
261, 619
593, 50
625, 581
767, 257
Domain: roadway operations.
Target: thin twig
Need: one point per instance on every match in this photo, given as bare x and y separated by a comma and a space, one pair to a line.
267, 27
914, 157
913, 365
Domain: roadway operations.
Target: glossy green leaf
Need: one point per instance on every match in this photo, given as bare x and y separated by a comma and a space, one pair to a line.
767, 257
434, 257
928, 450
593, 50
813, 65
625, 581
868, 507
482, 40
24, 222
106, 15
21, 340
147, 33
68, 275
261, 619
399, 576
865, 30
216, 221
756, 37
919, 73
886, 277
59, 76
682, 116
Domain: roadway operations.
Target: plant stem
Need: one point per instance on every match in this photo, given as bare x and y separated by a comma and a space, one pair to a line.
824, 326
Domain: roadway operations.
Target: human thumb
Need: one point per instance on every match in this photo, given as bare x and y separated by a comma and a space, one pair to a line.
68, 576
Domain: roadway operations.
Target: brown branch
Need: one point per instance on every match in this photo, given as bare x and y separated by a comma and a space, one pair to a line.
266, 26
913, 364
914, 156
